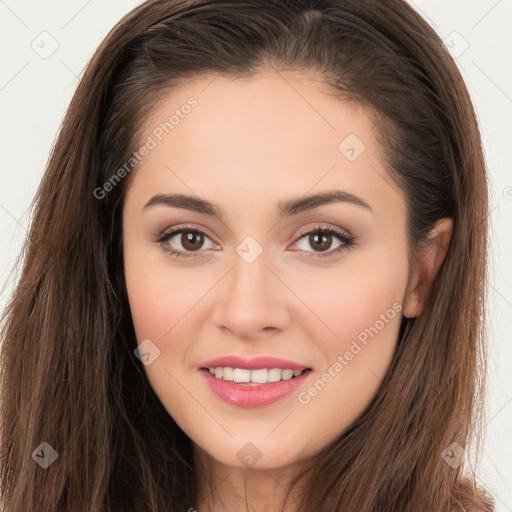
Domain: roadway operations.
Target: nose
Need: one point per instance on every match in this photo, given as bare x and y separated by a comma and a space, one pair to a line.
251, 301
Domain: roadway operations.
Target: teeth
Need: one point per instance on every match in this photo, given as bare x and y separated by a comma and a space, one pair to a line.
227, 373
240, 375
274, 375
259, 376
254, 377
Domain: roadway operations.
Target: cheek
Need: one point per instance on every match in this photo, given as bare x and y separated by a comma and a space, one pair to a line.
151, 303
154, 305
365, 303
351, 300
361, 305
159, 296
159, 301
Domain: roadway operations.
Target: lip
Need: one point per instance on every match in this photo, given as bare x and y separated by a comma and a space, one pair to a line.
253, 363
246, 395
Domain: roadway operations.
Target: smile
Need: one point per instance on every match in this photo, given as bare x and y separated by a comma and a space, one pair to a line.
247, 393
254, 377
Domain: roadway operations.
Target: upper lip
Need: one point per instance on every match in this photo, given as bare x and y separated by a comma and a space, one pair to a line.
252, 363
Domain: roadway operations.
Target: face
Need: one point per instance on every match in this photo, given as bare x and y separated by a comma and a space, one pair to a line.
262, 270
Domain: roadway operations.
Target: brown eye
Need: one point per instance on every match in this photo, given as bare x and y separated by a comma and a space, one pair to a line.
185, 241
320, 241
192, 240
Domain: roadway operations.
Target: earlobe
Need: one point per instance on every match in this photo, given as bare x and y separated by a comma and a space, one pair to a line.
428, 263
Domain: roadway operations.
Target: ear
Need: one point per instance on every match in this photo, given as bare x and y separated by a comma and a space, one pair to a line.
428, 262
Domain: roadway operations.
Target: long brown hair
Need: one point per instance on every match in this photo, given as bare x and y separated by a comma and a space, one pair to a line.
70, 377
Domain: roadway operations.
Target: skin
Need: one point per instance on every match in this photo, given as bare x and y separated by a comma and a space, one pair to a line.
248, 145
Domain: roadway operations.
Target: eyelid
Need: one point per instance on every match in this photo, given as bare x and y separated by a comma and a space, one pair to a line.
323, 227
185, 227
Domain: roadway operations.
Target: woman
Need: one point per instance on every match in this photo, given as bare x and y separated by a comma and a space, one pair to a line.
256, 273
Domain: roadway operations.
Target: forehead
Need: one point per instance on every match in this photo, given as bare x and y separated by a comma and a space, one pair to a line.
275, 107
281, 134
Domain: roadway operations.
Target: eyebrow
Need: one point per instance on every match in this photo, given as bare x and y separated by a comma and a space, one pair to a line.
285, 209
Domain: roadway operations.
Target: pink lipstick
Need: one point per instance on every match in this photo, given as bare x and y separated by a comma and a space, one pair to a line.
253, 382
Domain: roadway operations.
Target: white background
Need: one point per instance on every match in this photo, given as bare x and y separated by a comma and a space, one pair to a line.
35, 92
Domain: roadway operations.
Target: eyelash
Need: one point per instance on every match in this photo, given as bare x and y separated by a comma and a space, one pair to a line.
347, 241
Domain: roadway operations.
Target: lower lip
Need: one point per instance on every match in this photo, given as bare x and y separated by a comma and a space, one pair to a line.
245, 395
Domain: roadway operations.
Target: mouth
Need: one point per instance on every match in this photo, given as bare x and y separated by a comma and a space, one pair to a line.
254, 377
256, 382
